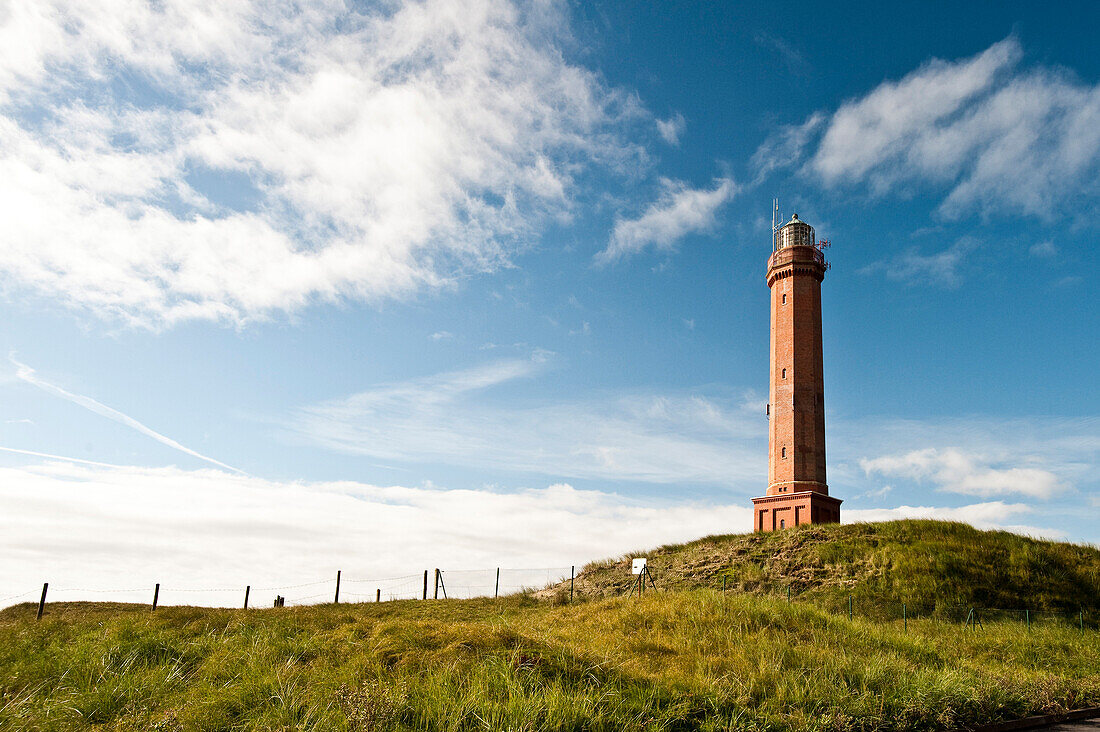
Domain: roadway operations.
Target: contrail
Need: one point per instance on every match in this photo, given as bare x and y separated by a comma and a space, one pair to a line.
26, 373
58, 457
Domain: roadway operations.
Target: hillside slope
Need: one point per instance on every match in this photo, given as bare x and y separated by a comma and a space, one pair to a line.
691, 660
683, 658
935, 567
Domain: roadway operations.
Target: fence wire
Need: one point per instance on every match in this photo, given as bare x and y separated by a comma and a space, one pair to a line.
501, 582
429, 584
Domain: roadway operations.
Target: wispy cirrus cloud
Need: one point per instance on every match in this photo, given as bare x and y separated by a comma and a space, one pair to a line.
482, 418
178, 160
677, 212
993, 136
457, 418
943, 268
27, 374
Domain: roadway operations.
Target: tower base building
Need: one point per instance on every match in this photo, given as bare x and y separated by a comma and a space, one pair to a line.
797, 492
794, 509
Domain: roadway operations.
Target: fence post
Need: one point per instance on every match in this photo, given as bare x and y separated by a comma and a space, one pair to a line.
1081, 619
247, 589
337, 600
849, 607
425, 585
378, 595
496, 588
572, 571
723, 584
156, 595
435, 594
1027, 617
42, 601
904, 617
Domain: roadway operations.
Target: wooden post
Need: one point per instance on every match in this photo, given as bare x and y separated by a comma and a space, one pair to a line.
246, 591
42, 601
378, 595
156, 595
425, 585
496, 589
337, 599
849, 607
435, 595
1027, 617
572, 571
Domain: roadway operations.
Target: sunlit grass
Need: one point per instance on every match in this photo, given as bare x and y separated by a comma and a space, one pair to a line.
688, 657
679, 660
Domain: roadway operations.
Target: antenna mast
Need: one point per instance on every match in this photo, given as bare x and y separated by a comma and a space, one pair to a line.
777, 220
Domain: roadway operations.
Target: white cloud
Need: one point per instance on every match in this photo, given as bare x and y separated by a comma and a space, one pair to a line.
677, 212
670, 129
960, 472
786, 147
989, 515
120, 527
206, 534
442, 335
27, 374
939, 268
993, 136
371, 153
455, 418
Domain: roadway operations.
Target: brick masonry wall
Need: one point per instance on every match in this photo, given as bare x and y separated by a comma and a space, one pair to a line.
797, 489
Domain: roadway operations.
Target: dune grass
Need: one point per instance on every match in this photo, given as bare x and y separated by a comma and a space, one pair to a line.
680, 660
936, 568
685, 658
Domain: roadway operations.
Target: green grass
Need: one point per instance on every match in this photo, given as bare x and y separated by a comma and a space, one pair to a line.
684, 659
934, 567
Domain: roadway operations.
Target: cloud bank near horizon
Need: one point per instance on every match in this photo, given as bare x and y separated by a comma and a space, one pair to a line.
210, 530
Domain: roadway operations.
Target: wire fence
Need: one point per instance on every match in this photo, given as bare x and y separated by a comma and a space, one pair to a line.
428, 584
443, 584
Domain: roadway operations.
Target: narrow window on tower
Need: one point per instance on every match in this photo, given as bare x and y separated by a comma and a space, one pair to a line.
783, 452
784, 298
784, 373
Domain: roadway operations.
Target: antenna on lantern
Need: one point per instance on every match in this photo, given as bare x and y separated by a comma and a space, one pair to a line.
777, 222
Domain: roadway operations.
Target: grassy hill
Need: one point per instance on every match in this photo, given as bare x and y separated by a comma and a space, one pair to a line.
682, 659
935, 567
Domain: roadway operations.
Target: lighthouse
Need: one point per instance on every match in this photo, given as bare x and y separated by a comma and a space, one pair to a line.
797, 491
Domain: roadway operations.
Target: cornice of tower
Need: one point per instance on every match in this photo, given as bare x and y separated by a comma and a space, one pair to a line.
796, 260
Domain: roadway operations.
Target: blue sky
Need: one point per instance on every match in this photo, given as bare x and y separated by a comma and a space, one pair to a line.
475, 284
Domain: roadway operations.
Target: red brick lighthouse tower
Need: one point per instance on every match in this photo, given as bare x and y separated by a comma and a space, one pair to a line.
797, 492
